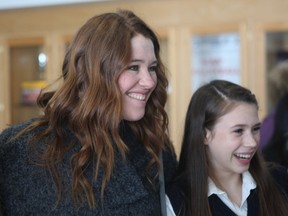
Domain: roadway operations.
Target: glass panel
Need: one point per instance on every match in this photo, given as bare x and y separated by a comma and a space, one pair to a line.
164, 56
27, 65
215, 56
276, 52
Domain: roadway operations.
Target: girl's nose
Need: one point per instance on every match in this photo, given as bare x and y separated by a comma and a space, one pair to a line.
251, 141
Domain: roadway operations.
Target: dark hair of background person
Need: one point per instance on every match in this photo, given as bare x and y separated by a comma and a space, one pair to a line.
89, 100
1, 207
208, 104
277, 88
277, 148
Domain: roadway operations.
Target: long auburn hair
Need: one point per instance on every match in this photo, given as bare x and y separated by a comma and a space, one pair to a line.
89, 103
207, 105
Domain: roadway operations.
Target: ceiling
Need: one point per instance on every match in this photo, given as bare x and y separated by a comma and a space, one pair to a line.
14, 4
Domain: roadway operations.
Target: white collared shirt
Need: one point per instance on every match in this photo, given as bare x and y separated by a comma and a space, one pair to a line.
169, 208
247, 185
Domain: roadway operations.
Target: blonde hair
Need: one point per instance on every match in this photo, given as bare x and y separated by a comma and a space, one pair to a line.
278, 82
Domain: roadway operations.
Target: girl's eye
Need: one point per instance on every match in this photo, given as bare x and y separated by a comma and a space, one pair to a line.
239, 131
134, 67
153, 69
256, 129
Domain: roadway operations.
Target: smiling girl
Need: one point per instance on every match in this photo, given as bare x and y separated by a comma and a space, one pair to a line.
221, 172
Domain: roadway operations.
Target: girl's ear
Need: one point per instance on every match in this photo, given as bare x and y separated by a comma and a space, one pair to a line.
208, 137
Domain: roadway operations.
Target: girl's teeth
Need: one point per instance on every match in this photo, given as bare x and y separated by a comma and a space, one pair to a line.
243, 156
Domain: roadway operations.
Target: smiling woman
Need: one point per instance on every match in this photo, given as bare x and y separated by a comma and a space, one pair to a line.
139, 80
96, 150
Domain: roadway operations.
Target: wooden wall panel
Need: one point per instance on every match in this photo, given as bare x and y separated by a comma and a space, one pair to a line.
176, 20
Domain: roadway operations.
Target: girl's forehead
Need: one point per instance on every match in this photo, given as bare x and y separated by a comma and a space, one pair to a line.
240, 113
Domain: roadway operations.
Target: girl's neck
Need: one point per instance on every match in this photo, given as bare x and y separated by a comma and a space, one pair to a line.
231, 184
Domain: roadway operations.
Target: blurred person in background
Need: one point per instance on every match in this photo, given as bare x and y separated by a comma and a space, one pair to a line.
276, 149
277, 88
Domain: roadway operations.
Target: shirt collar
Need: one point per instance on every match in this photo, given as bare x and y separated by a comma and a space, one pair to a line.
247, 185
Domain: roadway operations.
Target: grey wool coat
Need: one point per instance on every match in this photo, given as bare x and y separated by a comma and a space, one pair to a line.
27, 189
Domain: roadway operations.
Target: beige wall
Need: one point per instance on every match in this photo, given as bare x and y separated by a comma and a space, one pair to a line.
176, 20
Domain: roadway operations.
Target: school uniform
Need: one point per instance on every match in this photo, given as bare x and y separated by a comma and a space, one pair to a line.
219, 203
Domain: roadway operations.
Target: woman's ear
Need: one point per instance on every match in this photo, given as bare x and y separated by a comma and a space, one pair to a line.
208, 137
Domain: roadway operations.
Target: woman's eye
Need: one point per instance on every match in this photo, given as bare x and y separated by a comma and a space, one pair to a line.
134, 67
153, 69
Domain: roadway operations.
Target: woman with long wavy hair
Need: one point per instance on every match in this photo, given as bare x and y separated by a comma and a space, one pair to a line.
95, 151
221, 170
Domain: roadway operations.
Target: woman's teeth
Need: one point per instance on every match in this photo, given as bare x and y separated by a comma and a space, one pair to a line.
137, 96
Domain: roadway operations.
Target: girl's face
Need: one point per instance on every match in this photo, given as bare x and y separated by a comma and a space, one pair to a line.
139, 80
234, 140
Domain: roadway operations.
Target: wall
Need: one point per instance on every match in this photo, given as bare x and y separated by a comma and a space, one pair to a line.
175, 20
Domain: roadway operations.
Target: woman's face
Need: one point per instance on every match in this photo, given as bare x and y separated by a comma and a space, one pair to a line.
234, 140
139, 80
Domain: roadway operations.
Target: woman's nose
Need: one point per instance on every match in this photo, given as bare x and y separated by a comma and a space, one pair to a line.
147, 79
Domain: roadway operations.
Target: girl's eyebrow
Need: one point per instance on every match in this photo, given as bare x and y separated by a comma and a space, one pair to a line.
244, 125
